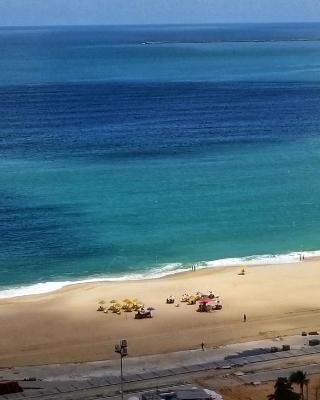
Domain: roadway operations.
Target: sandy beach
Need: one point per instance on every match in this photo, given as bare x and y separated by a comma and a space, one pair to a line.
64, 326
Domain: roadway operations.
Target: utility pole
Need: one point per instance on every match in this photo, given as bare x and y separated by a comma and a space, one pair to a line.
121, 349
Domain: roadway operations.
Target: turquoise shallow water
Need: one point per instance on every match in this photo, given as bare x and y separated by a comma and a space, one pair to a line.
131, 163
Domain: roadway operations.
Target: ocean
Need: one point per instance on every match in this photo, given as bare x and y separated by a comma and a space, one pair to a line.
137, 151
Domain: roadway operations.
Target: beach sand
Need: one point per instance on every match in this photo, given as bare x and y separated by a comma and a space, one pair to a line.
64, 326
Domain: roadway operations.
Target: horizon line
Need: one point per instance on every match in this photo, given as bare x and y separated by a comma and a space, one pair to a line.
162, 24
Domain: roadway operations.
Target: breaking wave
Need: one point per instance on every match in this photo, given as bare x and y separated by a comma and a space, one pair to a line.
160, 271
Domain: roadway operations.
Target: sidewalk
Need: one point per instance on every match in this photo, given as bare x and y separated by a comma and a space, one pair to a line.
64, 378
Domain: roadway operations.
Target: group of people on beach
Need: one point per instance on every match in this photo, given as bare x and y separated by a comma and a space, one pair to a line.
206, 302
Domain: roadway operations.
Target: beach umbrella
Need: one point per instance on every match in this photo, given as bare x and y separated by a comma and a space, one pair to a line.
204, 300
102, 302
243, 270
128, 301
113, 301
138, 303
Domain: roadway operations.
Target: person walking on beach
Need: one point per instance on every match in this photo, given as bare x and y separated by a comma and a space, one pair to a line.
244, 318
202, 346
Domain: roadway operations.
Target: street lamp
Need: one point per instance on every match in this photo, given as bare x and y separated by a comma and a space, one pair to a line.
121, 349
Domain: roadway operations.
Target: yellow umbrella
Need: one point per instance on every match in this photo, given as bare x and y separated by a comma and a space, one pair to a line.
243, 269
128, 301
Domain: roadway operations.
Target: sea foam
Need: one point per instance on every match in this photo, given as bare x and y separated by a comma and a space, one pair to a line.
161, 271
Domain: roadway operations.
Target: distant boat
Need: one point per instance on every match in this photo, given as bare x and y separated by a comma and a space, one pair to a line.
154, 42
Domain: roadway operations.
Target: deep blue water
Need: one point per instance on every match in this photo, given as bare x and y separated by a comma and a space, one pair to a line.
119, 157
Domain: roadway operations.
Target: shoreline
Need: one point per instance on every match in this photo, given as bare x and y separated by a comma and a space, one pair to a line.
160, 272
64, 326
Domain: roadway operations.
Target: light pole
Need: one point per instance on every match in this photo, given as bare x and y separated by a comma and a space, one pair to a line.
121, 349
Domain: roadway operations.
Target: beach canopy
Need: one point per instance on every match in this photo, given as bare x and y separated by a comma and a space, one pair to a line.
204, 300
113, 301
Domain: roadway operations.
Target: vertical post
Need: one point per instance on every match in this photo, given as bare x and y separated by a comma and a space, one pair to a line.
121, 376
122, 350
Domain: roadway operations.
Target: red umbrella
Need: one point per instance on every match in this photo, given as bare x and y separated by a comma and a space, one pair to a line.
204, 300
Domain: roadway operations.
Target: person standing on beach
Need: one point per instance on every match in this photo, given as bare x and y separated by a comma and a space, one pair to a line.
244, 318
202, 346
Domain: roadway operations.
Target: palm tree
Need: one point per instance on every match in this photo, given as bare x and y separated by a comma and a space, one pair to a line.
283, 391
300, 378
